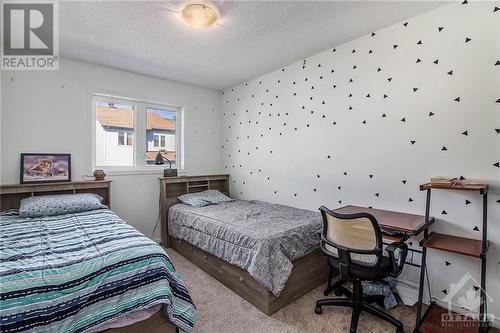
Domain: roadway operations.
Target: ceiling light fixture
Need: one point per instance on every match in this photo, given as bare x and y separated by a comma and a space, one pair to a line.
200, 15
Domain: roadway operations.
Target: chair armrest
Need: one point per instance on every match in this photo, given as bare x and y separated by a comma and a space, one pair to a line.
391, 248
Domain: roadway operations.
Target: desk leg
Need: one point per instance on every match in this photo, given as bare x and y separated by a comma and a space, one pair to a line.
421, 289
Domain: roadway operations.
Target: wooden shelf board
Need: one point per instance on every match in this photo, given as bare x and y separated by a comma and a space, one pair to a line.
198, 185
460, 245
433, 322
482, 188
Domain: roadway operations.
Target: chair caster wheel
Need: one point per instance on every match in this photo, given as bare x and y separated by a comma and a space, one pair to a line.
318, 310
327, 292
337, 292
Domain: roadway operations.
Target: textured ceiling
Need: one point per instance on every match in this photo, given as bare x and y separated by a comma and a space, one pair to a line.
252, 38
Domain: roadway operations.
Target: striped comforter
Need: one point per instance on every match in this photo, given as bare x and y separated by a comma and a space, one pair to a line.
78, 272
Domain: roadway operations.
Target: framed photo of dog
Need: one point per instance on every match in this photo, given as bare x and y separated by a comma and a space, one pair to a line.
45, 168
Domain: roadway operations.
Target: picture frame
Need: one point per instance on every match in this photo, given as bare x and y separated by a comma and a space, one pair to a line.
45, 168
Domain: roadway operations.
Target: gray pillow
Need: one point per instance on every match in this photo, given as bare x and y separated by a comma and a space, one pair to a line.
193, 199
49, 205
200, 199
215, 197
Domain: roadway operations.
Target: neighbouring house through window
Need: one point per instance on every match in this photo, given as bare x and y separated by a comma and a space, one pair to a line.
161, 125
117, 124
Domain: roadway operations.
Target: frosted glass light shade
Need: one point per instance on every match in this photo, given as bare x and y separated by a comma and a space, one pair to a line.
200, 16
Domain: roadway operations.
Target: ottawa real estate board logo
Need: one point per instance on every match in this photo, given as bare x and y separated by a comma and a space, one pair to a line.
30, 36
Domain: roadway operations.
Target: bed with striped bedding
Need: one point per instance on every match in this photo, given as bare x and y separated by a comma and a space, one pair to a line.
82, 272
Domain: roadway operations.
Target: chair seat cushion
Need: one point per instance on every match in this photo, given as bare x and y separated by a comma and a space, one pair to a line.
365, 273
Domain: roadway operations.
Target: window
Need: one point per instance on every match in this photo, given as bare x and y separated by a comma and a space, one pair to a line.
121, 122
125, 138
114, 130
161, 126
159, 140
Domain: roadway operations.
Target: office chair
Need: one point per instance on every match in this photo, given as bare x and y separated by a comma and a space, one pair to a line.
353, 245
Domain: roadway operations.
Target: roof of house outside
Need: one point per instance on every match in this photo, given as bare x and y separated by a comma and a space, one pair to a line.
124, 118
170, 155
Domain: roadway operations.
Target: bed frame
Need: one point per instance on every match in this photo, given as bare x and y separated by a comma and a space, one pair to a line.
11, 196
308, 272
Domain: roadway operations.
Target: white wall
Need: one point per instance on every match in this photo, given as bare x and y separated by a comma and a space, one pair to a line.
290, 136
50, 111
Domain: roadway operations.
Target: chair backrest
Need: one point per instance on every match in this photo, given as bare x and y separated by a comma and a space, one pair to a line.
352, 238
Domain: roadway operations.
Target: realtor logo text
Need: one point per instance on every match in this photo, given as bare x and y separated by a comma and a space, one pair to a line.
30, 36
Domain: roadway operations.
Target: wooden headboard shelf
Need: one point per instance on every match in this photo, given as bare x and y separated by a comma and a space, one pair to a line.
172, 187
11, 195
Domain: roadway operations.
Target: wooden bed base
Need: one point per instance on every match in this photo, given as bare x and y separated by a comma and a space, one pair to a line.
154, 324
308, 272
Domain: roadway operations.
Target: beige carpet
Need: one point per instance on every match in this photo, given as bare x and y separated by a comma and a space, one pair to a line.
222, 311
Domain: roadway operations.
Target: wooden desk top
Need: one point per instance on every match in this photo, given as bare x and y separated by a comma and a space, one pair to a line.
403, 222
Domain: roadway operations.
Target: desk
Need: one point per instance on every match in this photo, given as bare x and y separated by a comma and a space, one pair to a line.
409, 224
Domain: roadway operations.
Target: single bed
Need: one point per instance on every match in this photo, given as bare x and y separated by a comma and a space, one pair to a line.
85, 272
267, 253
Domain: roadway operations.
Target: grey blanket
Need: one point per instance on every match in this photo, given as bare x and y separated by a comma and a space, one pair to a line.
257, 236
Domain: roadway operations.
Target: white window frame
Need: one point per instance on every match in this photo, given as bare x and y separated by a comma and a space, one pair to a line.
139, 142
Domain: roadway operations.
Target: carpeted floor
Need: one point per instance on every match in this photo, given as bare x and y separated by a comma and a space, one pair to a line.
222, 311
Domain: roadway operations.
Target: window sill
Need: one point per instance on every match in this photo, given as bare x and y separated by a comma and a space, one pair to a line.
154, 171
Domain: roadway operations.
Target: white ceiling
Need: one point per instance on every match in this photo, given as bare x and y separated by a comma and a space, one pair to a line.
252, 38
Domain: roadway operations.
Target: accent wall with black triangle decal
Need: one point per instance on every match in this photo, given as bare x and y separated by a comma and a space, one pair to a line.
415, 100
